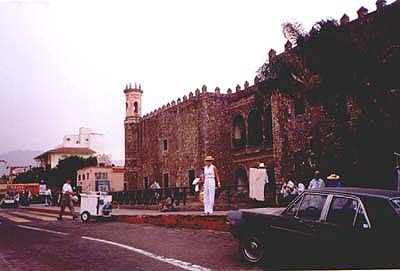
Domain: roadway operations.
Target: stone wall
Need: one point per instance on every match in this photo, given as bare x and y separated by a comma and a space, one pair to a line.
189, 130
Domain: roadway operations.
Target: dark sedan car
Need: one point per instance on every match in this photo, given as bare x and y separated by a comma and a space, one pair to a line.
328, 228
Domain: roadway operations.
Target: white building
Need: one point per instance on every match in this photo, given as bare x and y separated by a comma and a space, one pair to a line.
85, 144
106, 178
85, 139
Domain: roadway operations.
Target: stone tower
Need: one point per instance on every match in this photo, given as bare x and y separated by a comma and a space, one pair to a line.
133, 105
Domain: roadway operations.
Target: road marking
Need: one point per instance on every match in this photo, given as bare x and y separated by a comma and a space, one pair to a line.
14, 218
44, 218
178, 263
48, 214
39, 229
6, 263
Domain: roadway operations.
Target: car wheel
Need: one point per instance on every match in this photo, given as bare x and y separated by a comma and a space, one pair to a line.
85, 216
252, 248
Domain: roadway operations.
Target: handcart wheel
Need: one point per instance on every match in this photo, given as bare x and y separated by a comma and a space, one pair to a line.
85, 216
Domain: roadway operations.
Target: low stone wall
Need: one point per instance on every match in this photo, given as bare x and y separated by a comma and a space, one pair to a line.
209, 222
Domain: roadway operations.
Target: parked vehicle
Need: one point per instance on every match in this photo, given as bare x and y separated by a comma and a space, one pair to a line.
8, 200
324, 228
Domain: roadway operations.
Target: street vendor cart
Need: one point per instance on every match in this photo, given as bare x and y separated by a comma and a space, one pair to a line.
95, 204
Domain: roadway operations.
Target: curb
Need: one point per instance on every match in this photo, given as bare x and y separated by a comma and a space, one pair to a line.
205, 222
210, 222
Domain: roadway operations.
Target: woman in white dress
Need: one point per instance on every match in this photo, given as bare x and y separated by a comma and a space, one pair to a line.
210, 176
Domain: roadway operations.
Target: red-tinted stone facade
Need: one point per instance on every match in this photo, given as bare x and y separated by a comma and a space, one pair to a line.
289, 133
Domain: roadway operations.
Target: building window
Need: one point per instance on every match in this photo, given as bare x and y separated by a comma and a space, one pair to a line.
135, 106
299, 107
146, 182
254, 128
239, 132
165, 144
68, 139
79, 177
166, 180
100, 175
268, 126
83, 177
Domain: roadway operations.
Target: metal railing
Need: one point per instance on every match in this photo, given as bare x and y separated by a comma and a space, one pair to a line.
181, 195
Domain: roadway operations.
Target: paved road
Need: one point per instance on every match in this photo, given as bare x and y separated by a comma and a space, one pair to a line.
32, 240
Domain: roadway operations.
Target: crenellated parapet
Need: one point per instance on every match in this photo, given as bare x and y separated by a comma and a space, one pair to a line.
198, 94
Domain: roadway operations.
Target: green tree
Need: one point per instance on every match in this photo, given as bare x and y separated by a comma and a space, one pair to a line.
55, 177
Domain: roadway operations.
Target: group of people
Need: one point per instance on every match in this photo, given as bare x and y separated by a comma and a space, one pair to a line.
292, 188
333, 180
206, 185
23, 198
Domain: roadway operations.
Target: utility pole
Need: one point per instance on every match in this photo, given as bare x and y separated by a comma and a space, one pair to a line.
398, 169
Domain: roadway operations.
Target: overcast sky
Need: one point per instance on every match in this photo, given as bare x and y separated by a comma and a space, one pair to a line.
64, 63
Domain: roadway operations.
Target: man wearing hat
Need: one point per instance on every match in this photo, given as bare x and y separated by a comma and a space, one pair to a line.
333, 180
210, 176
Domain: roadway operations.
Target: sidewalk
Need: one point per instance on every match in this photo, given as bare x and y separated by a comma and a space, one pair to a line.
185, 219
188, 219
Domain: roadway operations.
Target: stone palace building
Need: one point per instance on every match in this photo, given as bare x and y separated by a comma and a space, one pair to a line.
286, 131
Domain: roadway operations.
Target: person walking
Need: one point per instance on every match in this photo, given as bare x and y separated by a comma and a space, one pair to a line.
155, 187
48, 197
210, 176
316, 182
27, 196
66, 199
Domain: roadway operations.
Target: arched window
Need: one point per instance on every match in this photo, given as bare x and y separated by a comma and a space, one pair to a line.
254, 128
135, 106
241, 179
239, 132
268, 126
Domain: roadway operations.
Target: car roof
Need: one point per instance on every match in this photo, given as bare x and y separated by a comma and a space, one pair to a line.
361, 192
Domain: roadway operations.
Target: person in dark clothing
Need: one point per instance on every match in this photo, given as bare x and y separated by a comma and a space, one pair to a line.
333, 180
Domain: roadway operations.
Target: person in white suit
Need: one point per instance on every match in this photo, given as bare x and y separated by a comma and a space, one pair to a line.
210, 177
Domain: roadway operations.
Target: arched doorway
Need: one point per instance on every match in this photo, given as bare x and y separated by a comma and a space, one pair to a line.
241, 179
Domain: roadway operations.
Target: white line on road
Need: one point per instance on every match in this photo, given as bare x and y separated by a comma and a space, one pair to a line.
178, 263
39, 229
6, 263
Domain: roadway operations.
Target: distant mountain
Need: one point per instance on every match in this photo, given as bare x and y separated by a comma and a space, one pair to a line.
18, 158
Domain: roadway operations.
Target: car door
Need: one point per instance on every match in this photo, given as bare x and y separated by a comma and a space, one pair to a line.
341, 233
299, 221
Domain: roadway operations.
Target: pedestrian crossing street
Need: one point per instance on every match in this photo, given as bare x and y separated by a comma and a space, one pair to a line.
26, 216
